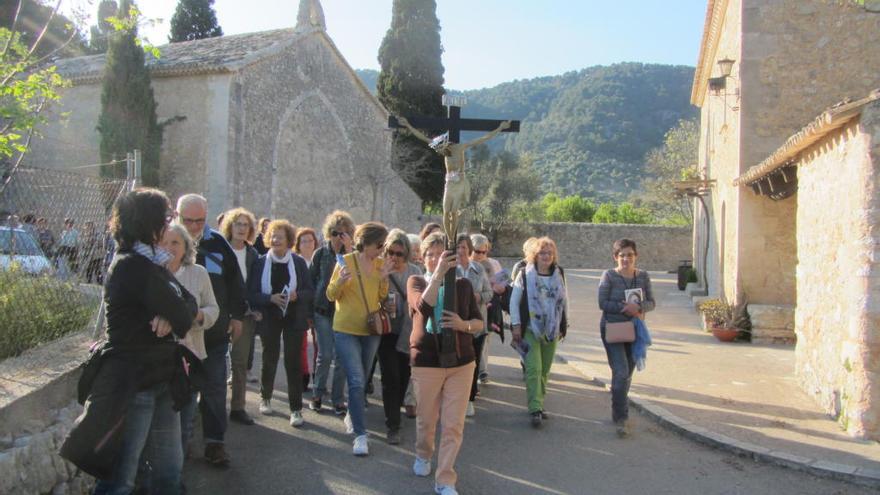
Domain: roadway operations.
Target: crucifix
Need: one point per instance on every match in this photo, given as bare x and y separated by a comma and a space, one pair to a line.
457, 187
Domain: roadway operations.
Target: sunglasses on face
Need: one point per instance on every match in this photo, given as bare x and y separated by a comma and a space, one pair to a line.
336, 233
477, 251
399, 254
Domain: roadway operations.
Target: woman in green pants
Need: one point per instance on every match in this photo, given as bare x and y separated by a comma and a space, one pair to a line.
540, 296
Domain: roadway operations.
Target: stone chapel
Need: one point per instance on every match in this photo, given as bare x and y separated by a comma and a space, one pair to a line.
790, 157
275, 121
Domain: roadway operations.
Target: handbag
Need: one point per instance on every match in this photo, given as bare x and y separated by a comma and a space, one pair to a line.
377, 321
618, 333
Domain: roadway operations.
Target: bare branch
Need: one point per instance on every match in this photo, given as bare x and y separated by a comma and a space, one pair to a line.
12, 30
44, 31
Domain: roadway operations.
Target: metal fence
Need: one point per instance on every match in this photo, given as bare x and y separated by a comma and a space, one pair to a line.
55, 248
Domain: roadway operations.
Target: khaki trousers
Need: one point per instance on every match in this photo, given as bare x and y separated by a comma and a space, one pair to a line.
441, 393
241, 349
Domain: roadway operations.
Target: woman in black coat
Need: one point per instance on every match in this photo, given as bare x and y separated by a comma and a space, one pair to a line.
280, 285
145, 305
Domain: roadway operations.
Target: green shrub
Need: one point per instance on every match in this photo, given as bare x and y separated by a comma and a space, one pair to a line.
39, 309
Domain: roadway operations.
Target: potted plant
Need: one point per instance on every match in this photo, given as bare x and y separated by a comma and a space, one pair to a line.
727, 322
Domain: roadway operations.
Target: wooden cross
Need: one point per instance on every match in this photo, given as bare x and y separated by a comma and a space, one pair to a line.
453, 124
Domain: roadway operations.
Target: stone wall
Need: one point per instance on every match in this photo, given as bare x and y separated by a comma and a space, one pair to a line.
37, 409
311, 139
587, 245
791, 62
838, 275
719, 155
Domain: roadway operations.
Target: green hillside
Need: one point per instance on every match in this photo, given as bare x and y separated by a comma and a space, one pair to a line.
587, 132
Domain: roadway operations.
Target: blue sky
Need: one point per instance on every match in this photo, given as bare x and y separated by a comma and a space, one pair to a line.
487, 42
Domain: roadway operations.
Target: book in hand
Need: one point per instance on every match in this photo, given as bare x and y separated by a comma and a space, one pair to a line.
522, 348
634, 296
286, 293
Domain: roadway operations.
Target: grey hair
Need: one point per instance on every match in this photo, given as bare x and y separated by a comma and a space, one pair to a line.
414, 240
191, 199
189, 247
437, 238
479, 240
398, 236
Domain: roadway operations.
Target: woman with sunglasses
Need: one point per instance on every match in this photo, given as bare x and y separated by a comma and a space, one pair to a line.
337, 229
394, 347
358, 286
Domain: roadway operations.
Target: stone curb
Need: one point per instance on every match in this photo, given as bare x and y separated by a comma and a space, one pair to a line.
826, 469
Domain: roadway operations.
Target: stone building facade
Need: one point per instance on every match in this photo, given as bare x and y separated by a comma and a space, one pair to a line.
768, 236
275, 121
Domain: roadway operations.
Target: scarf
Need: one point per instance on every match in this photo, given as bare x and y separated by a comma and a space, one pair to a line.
266, 280
640, 346
546, 303
155, 254
433, 325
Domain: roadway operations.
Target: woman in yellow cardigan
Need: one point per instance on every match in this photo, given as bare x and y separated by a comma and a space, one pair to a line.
355, 347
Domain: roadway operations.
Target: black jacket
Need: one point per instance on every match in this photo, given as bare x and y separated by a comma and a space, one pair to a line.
217, 256
299, 312
135, 291
323, 264
133, 358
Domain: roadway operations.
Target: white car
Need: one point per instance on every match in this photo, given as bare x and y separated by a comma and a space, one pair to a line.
18, 247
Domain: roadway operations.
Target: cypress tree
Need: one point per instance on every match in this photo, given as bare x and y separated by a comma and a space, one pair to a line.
194, 20
100, 32
411, 83
128, 109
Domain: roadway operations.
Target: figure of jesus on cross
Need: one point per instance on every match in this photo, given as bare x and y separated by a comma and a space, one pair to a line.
457, 189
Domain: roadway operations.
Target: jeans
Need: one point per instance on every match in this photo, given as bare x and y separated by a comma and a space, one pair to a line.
152, 430
538, 363
213, 395
356, 353
395, 378
272, 336
239, 357
622, 365
326, 357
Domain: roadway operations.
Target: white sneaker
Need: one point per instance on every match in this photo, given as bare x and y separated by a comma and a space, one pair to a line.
296, 419
445, 490
470, 410
265, 406
360, 447
349, 426
251, 378
421, 467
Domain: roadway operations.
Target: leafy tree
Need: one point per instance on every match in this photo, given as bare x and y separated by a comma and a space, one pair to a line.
674, 161
194, 20
27, 84
128, 109
100, 32
570, 209
622, 213
501, 186
411, 83
30, 18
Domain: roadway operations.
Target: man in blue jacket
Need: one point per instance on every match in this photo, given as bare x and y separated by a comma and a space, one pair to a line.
216, 255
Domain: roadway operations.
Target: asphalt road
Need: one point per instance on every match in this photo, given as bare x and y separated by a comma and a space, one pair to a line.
575, 452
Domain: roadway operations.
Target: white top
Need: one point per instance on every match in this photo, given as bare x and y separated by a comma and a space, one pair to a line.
241, 256
196, 280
